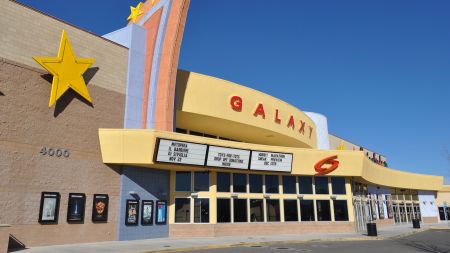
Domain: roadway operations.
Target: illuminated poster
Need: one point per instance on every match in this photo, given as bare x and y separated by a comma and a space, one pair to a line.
132, 212
75, 208
49, 209
100, 208
147, 212
161, 212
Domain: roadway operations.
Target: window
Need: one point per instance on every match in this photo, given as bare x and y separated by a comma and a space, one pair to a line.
321, 184
181, 131
201, 181
240, 210
223, 182
201, 210
289, 185
323, 210
183, 181
239, 182
256, 183
290, 210
305, 185
210, 136
307, 210
338, 185
195, 133
271, 184
223, 210
256, 210
273, 209
340, 210
182, 211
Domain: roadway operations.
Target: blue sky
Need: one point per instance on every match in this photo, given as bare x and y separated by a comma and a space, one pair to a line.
379, 70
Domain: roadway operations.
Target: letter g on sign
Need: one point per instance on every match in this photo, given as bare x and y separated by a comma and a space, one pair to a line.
236, 103
331, 161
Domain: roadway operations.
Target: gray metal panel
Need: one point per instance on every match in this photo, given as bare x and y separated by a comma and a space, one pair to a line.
149, 184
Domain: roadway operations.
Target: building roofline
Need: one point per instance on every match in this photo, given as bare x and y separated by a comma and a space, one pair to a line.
371, 150
65, 22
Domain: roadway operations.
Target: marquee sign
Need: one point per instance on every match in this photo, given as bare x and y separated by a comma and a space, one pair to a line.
228, 157
180, 152
280, 162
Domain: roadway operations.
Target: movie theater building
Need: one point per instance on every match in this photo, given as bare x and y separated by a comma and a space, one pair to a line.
103, 138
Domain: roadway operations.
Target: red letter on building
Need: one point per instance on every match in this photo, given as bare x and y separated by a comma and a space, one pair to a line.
277, 119
291, 122
260, 111
302, 127
236, 103
310, 131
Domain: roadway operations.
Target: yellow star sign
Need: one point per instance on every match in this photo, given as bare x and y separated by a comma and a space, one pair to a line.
67, 71
135, 12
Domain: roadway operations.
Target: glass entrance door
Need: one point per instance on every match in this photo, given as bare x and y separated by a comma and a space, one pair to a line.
402, 213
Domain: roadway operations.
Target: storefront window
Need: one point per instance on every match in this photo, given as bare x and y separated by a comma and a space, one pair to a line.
201, 181
240, 210
256, 210
290, 210
256, 183
183, 181
289, 185
321, 184
239, 182
201, 210
223, 182
273, 209
340, 210
305, 185
323, 210
223, 210
271, 184
338, 185
182, 210
307, 210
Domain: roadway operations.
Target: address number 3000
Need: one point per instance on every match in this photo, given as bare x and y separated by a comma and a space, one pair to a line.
58, 152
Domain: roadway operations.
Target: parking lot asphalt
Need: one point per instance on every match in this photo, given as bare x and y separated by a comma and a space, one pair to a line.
436, 241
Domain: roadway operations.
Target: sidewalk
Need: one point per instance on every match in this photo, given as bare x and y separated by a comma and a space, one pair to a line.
176, 244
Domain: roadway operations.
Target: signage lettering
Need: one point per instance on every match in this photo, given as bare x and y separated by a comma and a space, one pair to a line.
236, 103
331, 161
181, 152
228, 157
271, 161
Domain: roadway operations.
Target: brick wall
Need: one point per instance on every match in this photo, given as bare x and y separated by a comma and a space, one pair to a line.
27, 125
27, 33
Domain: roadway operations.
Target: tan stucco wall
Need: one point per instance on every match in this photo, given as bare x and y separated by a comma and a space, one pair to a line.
443, 196
26, 125
26, 33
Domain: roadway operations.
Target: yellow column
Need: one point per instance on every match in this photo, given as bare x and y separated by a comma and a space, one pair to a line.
172, 198
213, 198
348, 191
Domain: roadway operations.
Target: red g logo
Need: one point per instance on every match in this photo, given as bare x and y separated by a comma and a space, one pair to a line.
319, 167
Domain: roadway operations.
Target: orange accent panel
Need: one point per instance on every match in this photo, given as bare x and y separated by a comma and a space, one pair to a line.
165, 96
152, 26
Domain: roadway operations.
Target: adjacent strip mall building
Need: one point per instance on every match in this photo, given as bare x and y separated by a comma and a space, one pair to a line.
129, 147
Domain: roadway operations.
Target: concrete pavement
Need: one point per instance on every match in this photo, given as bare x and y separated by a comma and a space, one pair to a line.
178, 244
